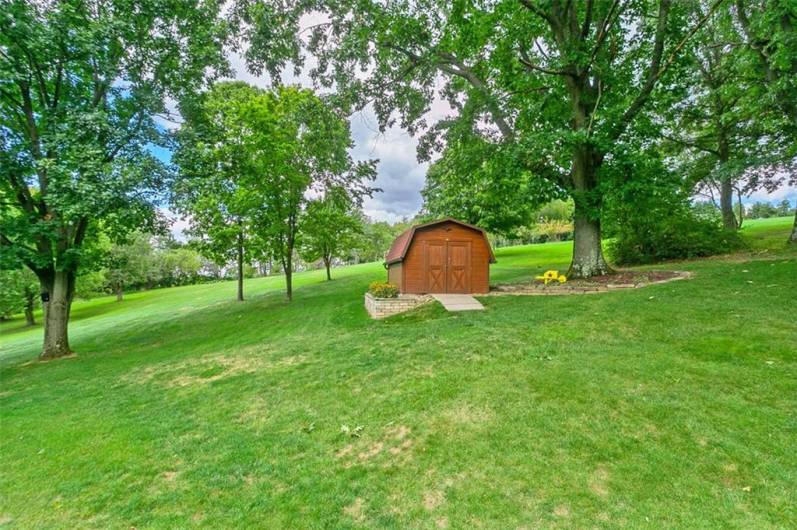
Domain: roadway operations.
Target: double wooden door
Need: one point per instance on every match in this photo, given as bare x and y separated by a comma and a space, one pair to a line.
447, 266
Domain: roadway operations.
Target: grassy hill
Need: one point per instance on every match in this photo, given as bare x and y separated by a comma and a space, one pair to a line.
668, 406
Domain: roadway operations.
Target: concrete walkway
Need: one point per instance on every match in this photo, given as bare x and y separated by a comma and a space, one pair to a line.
458, 302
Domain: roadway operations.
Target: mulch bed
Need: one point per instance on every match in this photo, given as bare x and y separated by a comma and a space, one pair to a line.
596, 284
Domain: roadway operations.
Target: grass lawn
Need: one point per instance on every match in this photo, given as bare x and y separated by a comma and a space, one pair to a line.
673, 406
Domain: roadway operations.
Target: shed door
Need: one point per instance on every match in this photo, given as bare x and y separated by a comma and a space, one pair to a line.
458, 277
436, 266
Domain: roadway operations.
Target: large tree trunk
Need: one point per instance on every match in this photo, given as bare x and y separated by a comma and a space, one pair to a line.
120, 292
240, 267
56, 315
793, 236
587, 251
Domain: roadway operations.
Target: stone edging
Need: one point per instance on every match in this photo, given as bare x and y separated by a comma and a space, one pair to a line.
379, 308
563, 290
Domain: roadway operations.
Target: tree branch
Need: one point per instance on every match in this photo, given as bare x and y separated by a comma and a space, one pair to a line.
525, 60
655, 71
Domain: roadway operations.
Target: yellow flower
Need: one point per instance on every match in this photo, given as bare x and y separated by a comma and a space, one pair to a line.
551, 276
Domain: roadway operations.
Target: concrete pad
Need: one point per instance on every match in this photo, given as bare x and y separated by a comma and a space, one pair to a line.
458, 302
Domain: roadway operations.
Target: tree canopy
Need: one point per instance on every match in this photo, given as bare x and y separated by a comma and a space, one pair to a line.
81, 84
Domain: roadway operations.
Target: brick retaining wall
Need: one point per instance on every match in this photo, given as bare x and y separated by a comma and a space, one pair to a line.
385, 307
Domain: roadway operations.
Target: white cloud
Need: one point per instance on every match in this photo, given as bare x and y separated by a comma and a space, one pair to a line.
177, 225
784, 192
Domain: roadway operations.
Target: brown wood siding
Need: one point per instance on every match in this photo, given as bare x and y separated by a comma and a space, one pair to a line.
415, 270
394, 275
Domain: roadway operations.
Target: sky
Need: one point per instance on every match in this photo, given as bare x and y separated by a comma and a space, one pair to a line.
399, 174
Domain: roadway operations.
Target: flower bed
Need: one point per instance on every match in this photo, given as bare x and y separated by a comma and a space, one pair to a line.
385, 307
596, 284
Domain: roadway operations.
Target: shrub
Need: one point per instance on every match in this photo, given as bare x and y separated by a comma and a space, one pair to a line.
679, 233
383, 290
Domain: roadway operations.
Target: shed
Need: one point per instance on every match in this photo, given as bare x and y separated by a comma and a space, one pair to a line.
443, 256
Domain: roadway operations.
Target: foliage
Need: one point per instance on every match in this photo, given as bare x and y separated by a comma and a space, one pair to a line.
217, 188
542, 97
557, 209
311, 154
763, 210
383, 290
662, 225
130, 263
19, 292
91, 284
471, 182
330, 228
376, 239
552, 230
247, 159
80, 86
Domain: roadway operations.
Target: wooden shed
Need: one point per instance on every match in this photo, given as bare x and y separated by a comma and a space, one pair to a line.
444, 256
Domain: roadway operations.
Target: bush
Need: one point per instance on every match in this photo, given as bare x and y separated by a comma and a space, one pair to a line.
383, 290
678, 234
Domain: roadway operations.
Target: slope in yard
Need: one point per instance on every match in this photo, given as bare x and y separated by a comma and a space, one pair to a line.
672, 405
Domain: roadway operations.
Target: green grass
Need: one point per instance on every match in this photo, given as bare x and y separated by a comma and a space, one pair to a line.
673, 406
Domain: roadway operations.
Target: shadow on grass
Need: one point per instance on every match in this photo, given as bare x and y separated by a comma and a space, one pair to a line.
145, 325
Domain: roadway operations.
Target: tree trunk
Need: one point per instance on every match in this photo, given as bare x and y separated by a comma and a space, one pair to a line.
119, 293
56, 316
587, 251
726, 205
288, 266
240, 266
726, 186
793, 236
327, 263
740, 207
29, 309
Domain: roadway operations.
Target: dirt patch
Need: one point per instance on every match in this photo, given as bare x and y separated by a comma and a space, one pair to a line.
395, 441
346, 451
355, 510
432, 500
442, 522
598, 482
596, 284
206, 370
563, 511
399, 433
373, 450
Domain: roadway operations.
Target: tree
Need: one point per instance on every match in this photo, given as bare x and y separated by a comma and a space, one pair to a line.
784, 208
19, 293
178, 266
80, 85
247, 159
130, 263
560, 85
310, 152
770, 28
716, 130
470, 182
329, 228
224, 133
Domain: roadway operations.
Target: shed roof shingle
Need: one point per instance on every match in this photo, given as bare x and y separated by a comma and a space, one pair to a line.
402, 242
